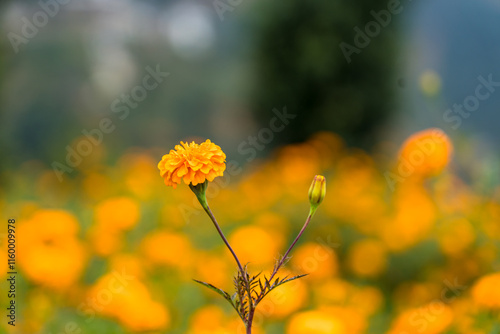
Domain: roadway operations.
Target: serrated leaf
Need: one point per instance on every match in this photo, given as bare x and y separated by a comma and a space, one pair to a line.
221, 292
276, 284
256, 276
216, 289
267, 282
285, 280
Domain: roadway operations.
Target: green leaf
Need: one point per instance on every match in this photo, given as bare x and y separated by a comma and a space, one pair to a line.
285, 280
216, 289
269, 286
223, 293
234, 300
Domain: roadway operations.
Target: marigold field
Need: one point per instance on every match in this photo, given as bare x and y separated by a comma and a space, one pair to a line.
401, 244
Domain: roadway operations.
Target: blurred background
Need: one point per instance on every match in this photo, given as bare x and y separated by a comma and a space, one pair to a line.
94, 92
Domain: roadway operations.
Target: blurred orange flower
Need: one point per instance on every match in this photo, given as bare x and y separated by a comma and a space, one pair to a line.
365, 300
129, 301
413, 217
117, 213
433, 318
486, 293
367, 258
254, 244
287, 299
318, 261
426, 152
166, 248
48, 238
113, 217
192, 163
455, 236
213, 320
316, 322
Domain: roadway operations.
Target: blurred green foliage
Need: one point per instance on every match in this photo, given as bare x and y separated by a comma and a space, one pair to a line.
301, 65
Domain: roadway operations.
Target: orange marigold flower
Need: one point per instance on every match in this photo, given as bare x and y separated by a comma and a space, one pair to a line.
192, 163
425, 153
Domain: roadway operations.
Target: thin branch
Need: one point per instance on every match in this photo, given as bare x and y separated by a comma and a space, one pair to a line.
212, 217
285, 257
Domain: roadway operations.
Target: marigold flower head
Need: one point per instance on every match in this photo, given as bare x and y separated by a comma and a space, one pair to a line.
192, 163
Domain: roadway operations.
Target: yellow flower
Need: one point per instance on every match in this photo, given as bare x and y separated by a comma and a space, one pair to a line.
192, 163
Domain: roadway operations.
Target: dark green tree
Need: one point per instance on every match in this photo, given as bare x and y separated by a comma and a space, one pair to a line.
300, 64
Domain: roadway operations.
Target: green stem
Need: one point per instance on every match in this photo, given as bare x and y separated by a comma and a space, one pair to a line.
284, 258
212, 217
244, 274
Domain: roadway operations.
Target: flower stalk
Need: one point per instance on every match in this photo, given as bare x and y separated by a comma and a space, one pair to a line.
285, 257
196, 165
243, 282
200, 192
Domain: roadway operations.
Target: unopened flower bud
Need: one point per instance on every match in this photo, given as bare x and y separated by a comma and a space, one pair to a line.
317, 191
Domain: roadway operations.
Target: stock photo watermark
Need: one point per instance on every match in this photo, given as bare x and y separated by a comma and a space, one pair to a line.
223, 6
371, 29
421, 318
483, 91
323, 251
248, 148
122, 107
31, 27
11, 271
406, 166
265, 135
116, 283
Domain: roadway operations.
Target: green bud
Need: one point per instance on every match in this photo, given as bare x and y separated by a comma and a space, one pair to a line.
317, 191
